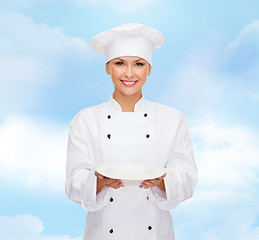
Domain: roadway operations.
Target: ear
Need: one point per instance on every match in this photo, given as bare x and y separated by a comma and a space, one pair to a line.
149, 70
107, 69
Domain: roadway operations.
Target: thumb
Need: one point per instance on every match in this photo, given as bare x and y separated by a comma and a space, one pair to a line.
98, 175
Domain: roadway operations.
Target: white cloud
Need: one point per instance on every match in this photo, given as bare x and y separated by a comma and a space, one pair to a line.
21, 37
26, 227
33, 153
118, 5
225, 205
228, 157
31, 55
241, 55
248, 35
254, 235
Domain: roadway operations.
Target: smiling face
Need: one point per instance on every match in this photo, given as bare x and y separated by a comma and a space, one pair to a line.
128, 74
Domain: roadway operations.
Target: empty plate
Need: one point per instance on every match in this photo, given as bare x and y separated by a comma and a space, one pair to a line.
130, 170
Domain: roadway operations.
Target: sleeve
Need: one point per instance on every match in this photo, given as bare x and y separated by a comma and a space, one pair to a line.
181, 172
81, 181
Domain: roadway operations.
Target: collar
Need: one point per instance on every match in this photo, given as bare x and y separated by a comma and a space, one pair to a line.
139, 106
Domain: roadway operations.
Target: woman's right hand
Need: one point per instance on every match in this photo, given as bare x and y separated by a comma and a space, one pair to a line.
103, 181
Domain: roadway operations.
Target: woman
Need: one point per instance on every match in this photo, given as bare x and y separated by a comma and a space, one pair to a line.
129, 128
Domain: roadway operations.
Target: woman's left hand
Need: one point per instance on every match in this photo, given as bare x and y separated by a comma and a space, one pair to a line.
153, 182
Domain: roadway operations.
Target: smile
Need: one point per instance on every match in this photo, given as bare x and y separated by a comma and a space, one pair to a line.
128, 83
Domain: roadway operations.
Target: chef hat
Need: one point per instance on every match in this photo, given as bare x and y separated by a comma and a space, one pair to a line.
131, 39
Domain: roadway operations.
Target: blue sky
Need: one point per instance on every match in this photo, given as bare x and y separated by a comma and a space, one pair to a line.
208, 68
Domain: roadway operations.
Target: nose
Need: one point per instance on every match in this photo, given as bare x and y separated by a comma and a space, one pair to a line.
129, 72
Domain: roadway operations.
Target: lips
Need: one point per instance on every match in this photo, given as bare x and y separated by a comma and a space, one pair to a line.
128, 83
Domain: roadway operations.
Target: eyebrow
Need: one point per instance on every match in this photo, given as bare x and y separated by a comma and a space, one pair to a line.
135, 60
139, 59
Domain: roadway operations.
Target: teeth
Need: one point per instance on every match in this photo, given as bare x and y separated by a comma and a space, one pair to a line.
129, 83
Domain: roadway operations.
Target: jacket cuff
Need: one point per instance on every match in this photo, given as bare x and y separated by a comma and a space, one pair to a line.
167, 200
158, 193
91, 201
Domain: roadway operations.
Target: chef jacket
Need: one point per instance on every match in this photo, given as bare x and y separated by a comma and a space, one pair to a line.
154, 133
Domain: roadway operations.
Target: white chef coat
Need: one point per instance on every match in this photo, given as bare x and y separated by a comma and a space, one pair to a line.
153, 133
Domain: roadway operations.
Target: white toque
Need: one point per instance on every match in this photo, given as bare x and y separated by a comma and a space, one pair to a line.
131, 39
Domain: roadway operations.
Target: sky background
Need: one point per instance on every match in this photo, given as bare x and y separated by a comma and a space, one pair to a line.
208, 68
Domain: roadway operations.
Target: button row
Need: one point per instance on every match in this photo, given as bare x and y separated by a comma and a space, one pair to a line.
109, 136
109, 116
111, 199
149, 228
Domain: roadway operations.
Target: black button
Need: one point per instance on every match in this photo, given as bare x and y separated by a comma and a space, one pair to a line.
147, 135
111, 199
109, 116
147, 198
109, 136
145, 115
149, 227
111, 231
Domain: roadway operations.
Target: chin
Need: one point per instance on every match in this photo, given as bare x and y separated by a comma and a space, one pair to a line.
129, 93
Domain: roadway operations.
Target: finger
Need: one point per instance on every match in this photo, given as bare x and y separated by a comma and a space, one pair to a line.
142, 184
146, 184
116, 186
150, 184
119, 185
149, 181
109, 181
155, 181
113, 183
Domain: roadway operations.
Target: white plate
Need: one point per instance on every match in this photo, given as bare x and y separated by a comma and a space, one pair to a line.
130, 170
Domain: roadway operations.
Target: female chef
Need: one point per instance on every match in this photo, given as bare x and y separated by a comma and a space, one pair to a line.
129, 128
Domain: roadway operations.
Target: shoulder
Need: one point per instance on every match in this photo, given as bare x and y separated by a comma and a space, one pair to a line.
163, 110
167, 118
88, 113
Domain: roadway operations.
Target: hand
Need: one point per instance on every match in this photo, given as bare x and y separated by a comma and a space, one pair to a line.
154, 182
103, 181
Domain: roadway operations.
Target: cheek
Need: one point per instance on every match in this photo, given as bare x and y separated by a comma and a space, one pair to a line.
115, 73
143, 73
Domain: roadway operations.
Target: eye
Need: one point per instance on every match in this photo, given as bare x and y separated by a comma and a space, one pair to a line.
119, 63
139, 64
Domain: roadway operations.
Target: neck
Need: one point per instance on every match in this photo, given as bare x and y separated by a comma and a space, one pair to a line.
127, 102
